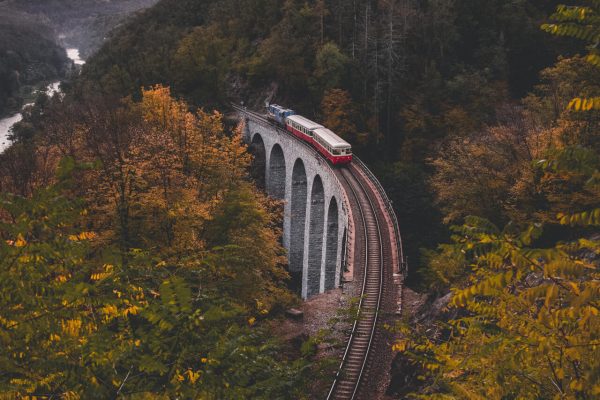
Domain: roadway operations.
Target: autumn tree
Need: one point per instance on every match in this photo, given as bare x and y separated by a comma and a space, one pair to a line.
528, 322
492, 174
496, 166
93, 318
58, 307
162, 168
331, 67
524, 301
339, 114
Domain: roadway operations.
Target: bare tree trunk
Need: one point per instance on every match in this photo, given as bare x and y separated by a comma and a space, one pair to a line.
354, 29
376, 93
390, 79
366, 48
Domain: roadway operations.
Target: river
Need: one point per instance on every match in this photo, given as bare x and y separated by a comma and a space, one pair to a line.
53, 88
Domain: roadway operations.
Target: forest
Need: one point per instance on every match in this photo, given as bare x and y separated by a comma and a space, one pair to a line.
29, 54
126, 272
405, 76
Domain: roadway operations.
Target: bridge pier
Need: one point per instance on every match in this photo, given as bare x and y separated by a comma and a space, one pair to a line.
314, 244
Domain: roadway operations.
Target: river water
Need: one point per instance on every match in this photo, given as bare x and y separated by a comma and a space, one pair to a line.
73, 54
53, 88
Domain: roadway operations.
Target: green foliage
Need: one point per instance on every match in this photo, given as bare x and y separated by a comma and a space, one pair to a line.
581, 22
157, 283
331, 67
76, 321
527, 320
529, 324
406, 185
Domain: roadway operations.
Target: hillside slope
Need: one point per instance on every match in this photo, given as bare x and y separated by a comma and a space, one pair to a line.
29, 54
394, 78
84, 24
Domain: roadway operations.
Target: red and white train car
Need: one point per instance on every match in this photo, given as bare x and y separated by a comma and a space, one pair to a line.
336, 149
301, 127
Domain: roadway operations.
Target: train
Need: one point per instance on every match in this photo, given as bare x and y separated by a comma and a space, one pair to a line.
330, 145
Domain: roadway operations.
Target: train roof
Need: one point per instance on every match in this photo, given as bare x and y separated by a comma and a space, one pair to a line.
305, 122
331, 138
280, 108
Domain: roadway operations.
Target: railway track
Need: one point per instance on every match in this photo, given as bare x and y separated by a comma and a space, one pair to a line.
353, 366
359, 354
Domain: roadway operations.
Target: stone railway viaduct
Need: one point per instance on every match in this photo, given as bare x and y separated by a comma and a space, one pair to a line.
318, 226
316, 212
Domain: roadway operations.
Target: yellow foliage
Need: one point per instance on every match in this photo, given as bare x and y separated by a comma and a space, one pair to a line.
110, 311
132, 310
83, 236
71, 327
584, 104
107, 271
400, 345
20, 242
70, 396
192, 376
530, 319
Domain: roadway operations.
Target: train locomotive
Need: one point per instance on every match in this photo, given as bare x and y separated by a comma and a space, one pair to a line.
333, 147
278, 113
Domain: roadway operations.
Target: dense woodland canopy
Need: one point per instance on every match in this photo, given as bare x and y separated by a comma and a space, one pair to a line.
523, 317
143, 266
400, 79
465, 111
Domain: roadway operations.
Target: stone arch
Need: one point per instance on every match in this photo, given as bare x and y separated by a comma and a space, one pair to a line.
331, 245
276, 175
259, 161
297, 223
315, 237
